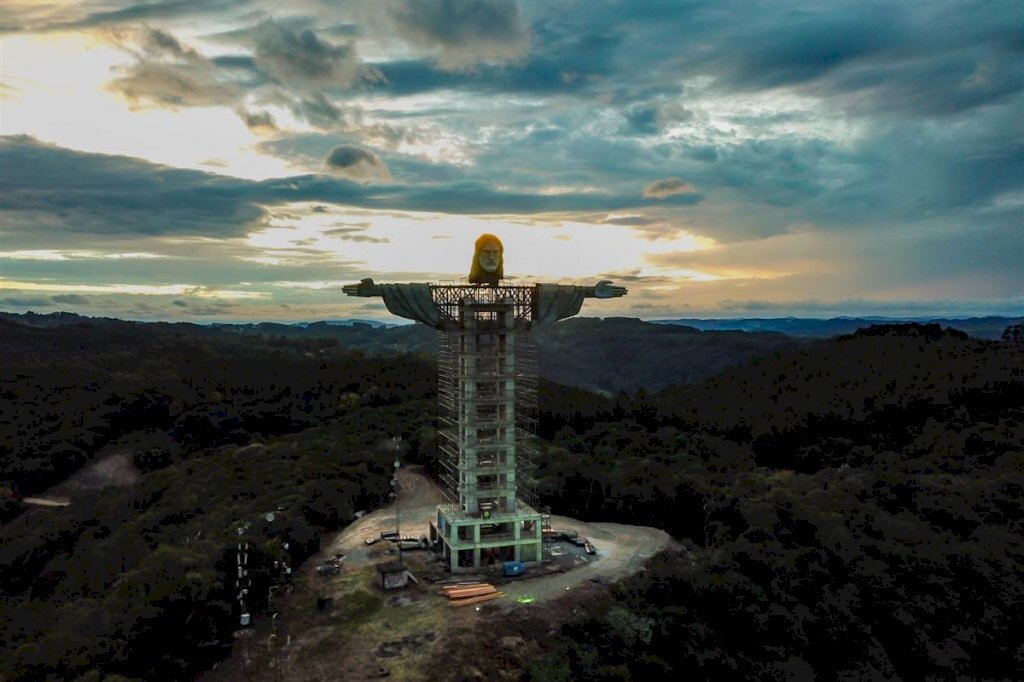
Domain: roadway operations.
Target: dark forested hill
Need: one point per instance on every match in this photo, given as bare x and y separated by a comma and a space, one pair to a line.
851, 511
625, 354
980, 327
848, 509
614, 354
139, 580
68, 390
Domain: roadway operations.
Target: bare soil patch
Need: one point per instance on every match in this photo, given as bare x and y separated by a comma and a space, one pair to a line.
113, 467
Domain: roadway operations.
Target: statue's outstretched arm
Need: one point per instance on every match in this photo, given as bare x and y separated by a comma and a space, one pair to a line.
559, 301
366, 288
604, 289
411, 301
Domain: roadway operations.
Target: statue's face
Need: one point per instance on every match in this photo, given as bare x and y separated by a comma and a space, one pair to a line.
490, 256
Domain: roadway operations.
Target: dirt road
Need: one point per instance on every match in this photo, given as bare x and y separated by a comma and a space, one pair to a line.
418, 497
621, 550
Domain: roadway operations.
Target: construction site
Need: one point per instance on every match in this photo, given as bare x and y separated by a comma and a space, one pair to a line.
445, 557
378, 603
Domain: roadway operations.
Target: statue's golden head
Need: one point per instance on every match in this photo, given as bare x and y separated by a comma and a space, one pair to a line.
488, 261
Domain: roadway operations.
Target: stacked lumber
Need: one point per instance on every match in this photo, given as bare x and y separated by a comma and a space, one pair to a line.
469, 593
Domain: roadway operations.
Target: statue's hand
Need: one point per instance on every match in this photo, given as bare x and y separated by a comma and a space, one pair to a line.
604, 289
365, 288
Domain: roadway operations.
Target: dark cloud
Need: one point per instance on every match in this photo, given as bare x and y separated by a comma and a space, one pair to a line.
191, 307
868, 307
790, 171
174, 85
302, 57
356, 163
905, 59
803, 45
886, 58
652, 119
706, 153
412, 76
463, 33
914, 171
310, 149
158, 43
26, 302
289, 66
258, 121
660, 189
241, 70
317, 110
937, 86
560, 63
114, 194
70, 299
118, 195
62, 15
168, 73
643, 120
212, 309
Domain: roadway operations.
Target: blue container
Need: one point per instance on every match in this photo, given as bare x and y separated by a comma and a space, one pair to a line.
514, 568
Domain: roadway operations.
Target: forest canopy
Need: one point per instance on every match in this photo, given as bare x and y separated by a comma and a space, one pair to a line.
848, 509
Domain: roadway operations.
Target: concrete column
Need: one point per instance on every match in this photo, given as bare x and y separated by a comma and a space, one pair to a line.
456, 546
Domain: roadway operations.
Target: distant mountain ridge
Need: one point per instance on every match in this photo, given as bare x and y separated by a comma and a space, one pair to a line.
981, 327
626, 354
605, 355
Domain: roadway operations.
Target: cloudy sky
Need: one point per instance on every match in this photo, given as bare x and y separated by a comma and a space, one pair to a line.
237, 160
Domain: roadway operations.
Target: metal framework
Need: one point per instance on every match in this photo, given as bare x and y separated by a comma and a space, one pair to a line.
487, 400
448, 298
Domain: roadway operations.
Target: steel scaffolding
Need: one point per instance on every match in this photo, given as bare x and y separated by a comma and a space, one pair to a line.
487, 424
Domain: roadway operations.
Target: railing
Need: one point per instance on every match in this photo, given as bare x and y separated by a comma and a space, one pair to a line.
447, 297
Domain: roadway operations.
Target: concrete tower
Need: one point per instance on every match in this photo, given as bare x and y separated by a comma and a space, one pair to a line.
486, 384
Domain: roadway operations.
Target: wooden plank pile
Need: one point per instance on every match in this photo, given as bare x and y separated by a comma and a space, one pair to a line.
470, 593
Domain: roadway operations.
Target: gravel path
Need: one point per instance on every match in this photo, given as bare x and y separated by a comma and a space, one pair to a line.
621, 550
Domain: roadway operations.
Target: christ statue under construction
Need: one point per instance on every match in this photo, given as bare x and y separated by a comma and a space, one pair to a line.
487, 401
